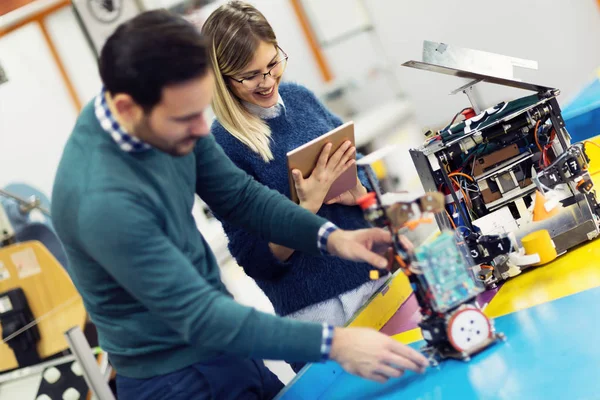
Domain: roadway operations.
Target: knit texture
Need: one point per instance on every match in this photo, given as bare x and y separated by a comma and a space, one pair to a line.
304, 279
148, 279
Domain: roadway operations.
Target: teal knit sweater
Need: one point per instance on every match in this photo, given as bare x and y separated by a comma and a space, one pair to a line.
148, 279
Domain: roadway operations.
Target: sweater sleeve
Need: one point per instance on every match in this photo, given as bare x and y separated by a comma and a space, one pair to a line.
241, 201
254, 255
124, 234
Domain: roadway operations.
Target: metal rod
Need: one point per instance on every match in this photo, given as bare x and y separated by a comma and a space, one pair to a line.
91, 372
25, 203
34, 369
469, 91
559, 124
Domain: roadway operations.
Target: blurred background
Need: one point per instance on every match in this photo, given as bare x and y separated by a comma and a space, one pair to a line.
349, 52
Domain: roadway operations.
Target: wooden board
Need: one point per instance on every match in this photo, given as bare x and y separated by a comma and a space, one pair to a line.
50, 293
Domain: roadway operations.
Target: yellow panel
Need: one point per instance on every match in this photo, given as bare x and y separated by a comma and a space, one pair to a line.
379, 309
379, 169
408, 337
574, 272
593, 153
50, 293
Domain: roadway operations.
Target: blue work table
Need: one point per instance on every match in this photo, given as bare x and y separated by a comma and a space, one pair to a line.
551, 352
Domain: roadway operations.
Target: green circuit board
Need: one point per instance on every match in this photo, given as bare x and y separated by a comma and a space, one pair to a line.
444, 271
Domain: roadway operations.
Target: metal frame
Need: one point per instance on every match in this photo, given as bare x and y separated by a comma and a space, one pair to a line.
94, 377
479, 67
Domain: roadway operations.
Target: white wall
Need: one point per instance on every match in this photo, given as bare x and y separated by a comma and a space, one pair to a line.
302, 66
75, 53
563, 36
280, 14
36, 112
35, 106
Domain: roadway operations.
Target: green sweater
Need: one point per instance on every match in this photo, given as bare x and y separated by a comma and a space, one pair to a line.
148, 279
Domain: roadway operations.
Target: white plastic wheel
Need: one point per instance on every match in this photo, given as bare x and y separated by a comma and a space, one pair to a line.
468, 328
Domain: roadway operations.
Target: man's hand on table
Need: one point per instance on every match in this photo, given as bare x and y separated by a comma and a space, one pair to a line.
374, 355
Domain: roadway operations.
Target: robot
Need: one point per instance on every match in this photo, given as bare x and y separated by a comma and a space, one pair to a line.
439, 272
496, 165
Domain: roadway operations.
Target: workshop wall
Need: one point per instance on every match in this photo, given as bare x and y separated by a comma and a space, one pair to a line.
563, 36
36, 113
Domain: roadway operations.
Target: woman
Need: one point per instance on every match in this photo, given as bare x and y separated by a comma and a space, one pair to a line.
260, 119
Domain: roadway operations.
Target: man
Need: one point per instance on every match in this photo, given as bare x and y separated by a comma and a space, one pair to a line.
122, 204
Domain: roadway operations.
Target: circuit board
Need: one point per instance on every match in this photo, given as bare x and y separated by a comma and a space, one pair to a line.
444, 271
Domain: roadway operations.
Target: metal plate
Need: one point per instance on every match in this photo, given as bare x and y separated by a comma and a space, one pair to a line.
482, 62
572, 226
477, 76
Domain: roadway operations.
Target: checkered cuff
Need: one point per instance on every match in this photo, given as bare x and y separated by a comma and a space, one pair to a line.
323, 235
326, 343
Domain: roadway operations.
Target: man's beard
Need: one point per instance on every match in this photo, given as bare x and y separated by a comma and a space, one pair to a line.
145, 133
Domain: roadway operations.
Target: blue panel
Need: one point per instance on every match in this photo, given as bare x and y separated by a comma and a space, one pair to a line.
582, 115
551, 352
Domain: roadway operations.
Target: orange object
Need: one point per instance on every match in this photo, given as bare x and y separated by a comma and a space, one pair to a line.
326, 73
461, 174
412, 225
468, 113
540, 243
367, 200
400, 261
450, 219
539, 209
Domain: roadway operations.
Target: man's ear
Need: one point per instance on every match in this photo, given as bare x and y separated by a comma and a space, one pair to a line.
127, 108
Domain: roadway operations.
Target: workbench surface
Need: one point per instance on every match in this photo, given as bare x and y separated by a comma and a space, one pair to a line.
551, 318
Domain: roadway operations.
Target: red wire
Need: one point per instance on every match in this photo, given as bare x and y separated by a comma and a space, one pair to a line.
548, 147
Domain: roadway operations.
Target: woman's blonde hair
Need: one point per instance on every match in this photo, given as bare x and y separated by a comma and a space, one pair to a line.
235, 30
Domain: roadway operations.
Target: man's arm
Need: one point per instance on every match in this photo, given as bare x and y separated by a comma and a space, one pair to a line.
124, 235
242, 201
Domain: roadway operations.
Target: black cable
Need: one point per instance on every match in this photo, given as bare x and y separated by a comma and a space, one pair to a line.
456, 116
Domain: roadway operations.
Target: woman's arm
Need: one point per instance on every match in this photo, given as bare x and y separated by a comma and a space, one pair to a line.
312, 190
283, 253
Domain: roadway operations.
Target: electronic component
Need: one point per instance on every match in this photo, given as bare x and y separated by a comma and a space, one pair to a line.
440, 275
443, 271
490, 163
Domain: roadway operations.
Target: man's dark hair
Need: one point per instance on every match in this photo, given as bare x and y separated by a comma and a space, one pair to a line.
153, 50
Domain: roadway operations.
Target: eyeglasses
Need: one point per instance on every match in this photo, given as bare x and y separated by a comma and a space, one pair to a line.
276, 70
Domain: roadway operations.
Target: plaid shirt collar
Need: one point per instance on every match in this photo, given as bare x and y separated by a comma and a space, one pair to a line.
108, 122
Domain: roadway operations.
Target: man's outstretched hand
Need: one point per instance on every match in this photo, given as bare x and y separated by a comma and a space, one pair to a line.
367, 245
373, 355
